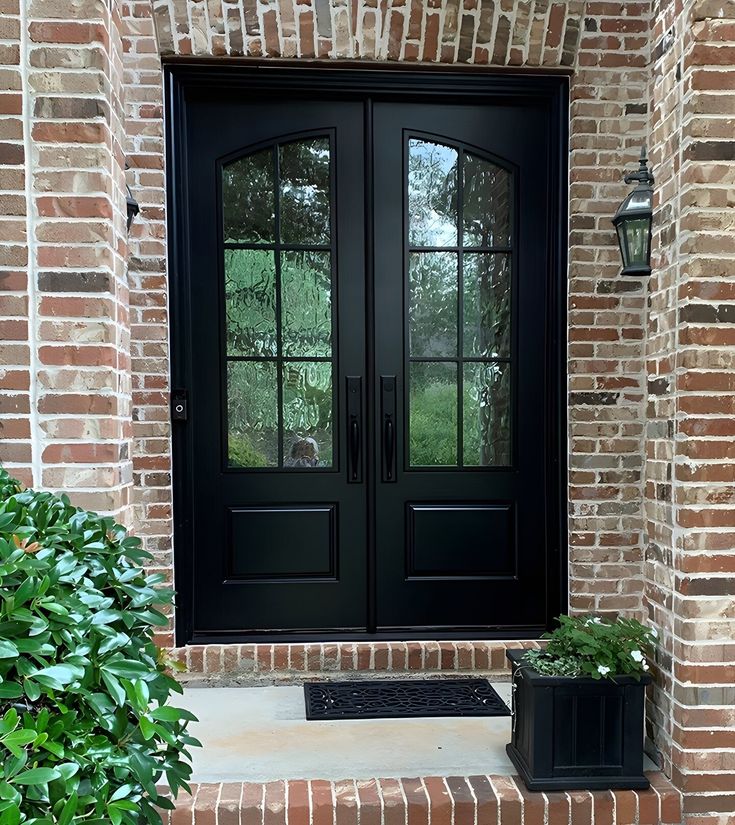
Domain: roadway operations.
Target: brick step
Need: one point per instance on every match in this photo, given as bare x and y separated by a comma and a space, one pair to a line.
221, 665
474, 800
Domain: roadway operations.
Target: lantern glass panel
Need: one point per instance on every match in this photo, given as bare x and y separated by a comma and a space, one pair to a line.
620, 228
636, 232
639, 200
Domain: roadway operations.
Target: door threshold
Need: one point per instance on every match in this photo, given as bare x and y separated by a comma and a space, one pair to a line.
474, 634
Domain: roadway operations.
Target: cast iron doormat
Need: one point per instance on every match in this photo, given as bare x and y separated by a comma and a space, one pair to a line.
389, 699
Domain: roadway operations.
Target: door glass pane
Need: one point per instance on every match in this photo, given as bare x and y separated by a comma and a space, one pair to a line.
252, 414
304, 191
433, 304
486, 434
250, 302
433, 414
487, 307
486, 208
248, 202
432, 194
459, 307
307, 414
278, 306
306, 301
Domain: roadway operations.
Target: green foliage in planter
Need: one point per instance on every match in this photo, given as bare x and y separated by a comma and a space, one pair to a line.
591, 646
85, 728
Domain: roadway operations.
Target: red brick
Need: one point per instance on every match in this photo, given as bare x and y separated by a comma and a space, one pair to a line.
322, 803
418, 802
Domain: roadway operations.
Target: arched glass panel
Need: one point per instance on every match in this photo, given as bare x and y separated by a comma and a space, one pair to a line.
486, 194
432, 194
249, 200
278, 257
304, 191
459, 307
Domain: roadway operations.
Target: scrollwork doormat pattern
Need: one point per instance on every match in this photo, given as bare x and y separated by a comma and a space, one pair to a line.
392, 699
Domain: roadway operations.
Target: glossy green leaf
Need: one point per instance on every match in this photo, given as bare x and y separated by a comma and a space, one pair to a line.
37, 776
7, 650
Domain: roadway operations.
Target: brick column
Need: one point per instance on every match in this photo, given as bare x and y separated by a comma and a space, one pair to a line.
609, 122
16, 451
690, 565
65, 257
149, 315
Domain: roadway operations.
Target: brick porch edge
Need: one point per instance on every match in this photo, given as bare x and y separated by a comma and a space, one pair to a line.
474, 800
233, 663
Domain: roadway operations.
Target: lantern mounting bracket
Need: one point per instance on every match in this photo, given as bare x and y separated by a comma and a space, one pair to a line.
643, 174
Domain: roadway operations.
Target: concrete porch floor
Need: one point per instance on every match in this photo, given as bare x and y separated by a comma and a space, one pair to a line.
260, 734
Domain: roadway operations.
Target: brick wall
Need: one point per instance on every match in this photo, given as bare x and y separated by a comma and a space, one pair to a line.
650, 365
690, 556
609, 117
151, 451
66, 388
507, 32
15, 396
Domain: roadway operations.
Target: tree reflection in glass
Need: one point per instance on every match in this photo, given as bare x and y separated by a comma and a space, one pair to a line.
432, 194
457, 296
278, 306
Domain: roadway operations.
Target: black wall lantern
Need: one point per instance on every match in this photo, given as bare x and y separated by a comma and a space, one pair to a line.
634, 219
133, 208
132, 204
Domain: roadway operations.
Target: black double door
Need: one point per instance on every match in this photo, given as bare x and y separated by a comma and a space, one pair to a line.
366, 323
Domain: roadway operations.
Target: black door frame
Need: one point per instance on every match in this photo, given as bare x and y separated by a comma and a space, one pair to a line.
385, 83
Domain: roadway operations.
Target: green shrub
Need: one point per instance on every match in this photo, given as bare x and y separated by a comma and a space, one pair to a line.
85, 728
591, 646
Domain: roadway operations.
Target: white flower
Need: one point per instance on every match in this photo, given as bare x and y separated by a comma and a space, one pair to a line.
645, 666
601, 669
636, 655
595, 620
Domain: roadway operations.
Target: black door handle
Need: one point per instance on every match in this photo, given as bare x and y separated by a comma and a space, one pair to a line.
354, 429
389, 439
354, 448
388, 415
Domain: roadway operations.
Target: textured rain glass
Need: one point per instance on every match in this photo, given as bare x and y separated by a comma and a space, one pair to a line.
252, 414
304, 191
306, 304
250, 301
433, 304
432, 194
248, 202
487, 305
486, 213
433, 415
307, 414
486, 434
636, 230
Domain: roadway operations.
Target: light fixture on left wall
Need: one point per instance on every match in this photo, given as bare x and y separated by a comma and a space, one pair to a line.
634, 219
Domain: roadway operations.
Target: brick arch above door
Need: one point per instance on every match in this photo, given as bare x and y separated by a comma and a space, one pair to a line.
531, 33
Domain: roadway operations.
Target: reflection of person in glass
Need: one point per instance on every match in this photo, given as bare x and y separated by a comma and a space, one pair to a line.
304, 452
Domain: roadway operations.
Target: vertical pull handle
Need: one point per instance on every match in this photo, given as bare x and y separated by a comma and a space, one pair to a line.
389, 440
388, 417
354, 429
354, 448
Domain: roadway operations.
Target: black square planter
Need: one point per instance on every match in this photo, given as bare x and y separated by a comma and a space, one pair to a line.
577, 733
